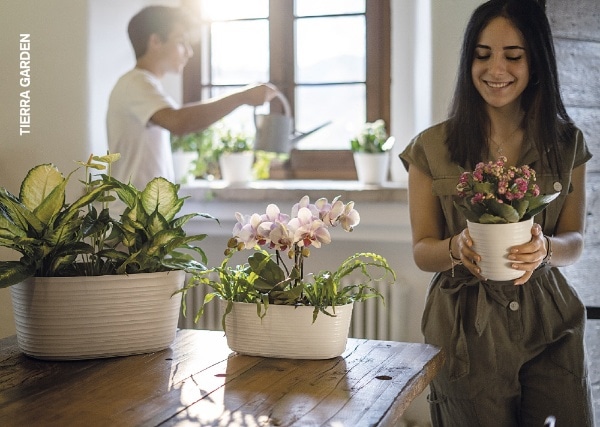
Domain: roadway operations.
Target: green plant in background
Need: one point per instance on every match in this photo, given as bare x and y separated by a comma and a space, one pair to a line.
211, 143
231, 141
82, 238
263, 160
373, 138
203, 143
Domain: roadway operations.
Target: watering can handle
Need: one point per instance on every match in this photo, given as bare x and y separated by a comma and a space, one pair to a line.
287, 111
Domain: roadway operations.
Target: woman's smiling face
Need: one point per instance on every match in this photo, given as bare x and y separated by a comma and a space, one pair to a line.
500, 69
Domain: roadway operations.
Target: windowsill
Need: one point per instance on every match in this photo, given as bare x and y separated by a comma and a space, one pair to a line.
383, 209
294, 190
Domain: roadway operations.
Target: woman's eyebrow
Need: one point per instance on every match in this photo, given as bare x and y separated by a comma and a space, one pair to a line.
483, 46
513, 47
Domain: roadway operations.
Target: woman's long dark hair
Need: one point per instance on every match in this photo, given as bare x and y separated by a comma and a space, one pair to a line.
547, 121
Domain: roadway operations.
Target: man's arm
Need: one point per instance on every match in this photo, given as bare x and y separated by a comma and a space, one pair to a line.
198, 116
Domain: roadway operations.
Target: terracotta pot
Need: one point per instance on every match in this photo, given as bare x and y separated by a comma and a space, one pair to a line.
65, 318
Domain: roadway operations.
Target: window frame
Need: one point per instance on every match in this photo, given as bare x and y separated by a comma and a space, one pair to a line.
281, 67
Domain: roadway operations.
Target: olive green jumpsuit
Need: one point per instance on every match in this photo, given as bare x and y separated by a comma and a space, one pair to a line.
514, 354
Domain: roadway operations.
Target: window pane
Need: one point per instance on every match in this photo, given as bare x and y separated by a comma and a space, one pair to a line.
328, 7
330, 50
216, 10
239, 120
343, 105
240, 52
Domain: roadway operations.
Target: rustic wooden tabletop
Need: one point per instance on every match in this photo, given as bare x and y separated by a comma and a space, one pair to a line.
200, 381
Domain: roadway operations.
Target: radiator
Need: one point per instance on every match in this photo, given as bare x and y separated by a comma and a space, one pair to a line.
372, 319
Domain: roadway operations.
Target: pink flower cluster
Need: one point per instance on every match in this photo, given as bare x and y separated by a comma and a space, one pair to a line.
306, 226
493, 180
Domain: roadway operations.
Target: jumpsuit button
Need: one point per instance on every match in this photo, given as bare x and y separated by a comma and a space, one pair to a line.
514, 306
557, 186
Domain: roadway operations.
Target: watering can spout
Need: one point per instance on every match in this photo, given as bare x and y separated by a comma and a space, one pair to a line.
274, 131
302, 135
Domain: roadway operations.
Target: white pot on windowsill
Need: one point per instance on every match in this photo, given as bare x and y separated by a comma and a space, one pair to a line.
236, 167
183, 165
372, 168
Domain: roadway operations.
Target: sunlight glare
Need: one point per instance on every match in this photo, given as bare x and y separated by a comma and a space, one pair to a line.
216, 10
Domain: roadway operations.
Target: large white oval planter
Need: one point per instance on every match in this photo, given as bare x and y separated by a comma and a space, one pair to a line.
68, 318
287, 331
372, 168
492, 241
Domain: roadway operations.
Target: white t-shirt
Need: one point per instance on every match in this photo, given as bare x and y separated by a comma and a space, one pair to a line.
145, 147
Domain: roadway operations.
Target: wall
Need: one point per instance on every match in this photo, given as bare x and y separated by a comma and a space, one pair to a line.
78, 50
577, 41
576, 30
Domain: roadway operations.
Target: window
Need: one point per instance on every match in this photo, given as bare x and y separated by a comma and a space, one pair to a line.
331, 59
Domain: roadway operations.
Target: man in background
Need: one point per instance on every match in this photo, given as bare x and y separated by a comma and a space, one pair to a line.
141, 115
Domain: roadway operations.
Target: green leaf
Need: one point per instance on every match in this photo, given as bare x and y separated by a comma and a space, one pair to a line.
503, 210
13, 272
37, 185
21, 216
538, 204
161, 194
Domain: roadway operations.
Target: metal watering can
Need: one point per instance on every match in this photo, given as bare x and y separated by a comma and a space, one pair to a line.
274, 131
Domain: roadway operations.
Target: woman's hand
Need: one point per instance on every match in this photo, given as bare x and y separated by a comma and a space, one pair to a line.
467, 255
529, 256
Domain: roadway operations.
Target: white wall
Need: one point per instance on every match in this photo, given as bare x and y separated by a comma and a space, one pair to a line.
426, 34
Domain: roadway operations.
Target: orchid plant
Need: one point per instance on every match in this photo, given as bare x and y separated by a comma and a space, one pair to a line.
266, 279
495, 193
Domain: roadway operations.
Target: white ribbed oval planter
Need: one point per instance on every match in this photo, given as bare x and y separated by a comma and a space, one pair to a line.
492, 241
68, 318
287, 331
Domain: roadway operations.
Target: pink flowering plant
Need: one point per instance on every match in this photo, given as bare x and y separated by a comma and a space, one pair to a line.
279, 277
495, 193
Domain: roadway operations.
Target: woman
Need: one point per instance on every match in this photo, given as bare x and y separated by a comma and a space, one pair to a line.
514, 349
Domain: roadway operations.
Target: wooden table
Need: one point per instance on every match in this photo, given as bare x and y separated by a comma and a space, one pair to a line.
199, 381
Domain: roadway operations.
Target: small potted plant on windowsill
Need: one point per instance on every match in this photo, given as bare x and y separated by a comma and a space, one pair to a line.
90, 284
193, 155
235, 153
275, 310
370, 149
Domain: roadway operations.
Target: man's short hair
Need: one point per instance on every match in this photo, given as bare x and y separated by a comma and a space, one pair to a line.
158, 20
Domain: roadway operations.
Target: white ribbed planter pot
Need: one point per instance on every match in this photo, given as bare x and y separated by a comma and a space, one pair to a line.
69, 318
287, 331
492, 242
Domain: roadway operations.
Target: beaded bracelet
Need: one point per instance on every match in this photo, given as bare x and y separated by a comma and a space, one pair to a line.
548, 256
455, 261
